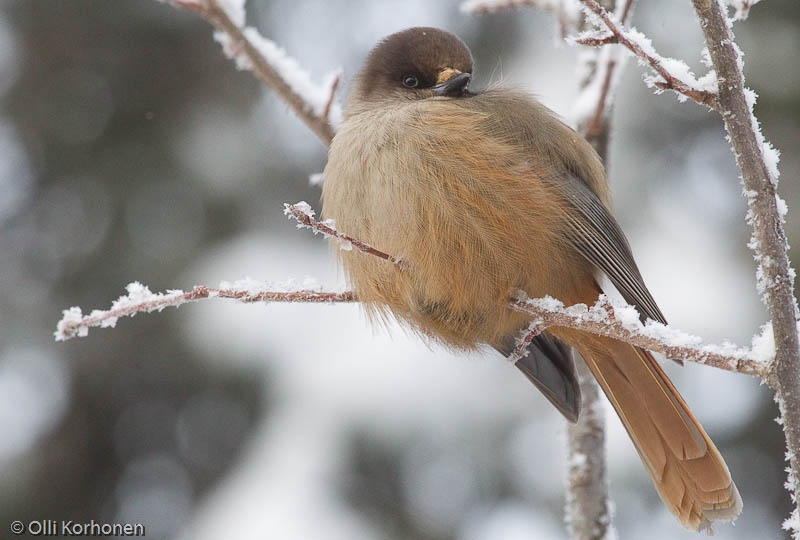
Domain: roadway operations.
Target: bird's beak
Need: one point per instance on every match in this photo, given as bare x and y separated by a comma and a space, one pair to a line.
451, 82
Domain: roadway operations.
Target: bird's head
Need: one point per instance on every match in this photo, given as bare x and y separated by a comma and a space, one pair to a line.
415, 64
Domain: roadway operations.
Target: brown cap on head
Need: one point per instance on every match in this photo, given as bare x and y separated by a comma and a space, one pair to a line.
414, 64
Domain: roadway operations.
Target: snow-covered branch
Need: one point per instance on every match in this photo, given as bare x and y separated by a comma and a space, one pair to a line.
670, 74
140, 300
757, 161
621, 321
741, 7
618, 321
600, 69
566, 12
304, 215
314, 104
524, 340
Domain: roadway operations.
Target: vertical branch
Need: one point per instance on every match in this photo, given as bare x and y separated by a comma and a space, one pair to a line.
588, 511
755, 159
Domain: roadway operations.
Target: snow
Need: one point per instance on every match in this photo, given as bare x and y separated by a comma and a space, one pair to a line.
676, 68
792, 524
769, 153
568, 7
579, 461
741, 7
316, 179
590, 95
70, 317
303, 206
254, 287
345, 243
139, 299
317, 96
762, 349
234, 9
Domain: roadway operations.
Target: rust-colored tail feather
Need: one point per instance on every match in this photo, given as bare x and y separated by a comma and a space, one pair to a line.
687, 469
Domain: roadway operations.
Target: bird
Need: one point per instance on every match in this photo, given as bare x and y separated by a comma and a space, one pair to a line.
480, 194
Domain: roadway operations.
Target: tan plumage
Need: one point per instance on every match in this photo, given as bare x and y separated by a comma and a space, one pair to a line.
483, 194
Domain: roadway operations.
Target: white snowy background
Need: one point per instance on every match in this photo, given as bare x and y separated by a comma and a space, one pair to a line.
131, 149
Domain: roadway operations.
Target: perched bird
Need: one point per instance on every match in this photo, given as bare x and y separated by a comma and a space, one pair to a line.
480, 194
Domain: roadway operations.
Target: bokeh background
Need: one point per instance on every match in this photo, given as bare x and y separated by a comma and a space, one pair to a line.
131, 149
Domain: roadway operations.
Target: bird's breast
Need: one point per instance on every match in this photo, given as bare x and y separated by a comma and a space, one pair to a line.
466, 213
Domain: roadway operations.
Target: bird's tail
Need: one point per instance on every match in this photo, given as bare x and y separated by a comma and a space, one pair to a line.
687, 469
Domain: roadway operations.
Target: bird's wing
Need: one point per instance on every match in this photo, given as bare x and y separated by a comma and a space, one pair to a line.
550, 367
594, 232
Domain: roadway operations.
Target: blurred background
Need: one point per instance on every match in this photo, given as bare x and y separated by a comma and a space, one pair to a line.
131, 149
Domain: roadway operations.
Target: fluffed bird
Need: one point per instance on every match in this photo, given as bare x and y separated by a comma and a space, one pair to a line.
480, 194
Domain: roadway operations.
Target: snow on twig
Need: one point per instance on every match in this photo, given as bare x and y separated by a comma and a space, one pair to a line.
314, 104
473, 7
524, 339
567, 12
620, 321
141, 300
670, 74
604, 318
304, 215
741, 7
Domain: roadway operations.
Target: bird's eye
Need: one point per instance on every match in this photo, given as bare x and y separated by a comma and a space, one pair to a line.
409, 81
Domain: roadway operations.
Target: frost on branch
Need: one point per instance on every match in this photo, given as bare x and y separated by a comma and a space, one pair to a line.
741, 8
318, 97
595, 98
304, 215
316, 105
621, 321
667, 73
566, 12
140, 300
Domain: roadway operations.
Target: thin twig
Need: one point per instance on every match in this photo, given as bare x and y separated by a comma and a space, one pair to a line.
140, 300
305, 217
602, 319
669, 81
334, 87
524, 340
566, 12
599, 121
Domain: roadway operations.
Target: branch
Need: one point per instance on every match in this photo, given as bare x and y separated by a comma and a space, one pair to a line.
604, 318
757, 162
742, 8
602, 68
671, 74
304, 215
619, 321
314, 104
140, 300
622, 322
588, 512
524, 340
567, 12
